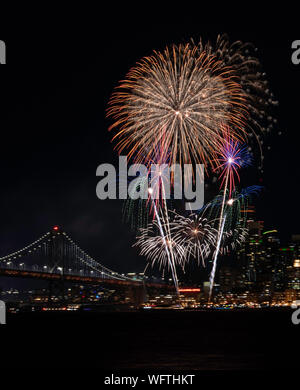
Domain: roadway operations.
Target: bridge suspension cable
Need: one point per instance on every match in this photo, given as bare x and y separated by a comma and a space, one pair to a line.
61, 254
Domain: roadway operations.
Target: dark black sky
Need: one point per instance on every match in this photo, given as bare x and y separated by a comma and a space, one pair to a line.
54, 91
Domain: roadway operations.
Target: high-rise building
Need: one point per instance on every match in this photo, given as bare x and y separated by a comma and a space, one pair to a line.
249, 253
227, 279
264, 271
293, 273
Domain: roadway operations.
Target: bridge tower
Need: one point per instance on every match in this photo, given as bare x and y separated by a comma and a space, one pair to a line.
57, 262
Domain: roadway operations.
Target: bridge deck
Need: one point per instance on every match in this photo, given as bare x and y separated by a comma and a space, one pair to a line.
78, 279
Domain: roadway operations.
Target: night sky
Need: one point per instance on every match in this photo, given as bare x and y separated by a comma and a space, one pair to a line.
54, 92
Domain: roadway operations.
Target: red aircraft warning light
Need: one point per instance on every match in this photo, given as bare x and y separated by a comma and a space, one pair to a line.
55, 228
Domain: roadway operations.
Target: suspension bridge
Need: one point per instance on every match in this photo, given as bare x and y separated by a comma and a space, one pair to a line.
55, 256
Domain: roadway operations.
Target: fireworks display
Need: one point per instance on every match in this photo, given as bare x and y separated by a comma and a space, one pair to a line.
153, 246
194, 103
231, 213
235, 207
179, 99
137, 211
192, 239
158, 178
241, 57
231, 157
195, 234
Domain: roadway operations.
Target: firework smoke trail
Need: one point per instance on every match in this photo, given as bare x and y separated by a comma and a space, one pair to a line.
156, 204
231, 158
166, 221
220, 233
158, 176
170, 258
169, 249
137, 211
157, 185
213, 271
235, 208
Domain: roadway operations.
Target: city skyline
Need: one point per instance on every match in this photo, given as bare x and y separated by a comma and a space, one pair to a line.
260, 271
